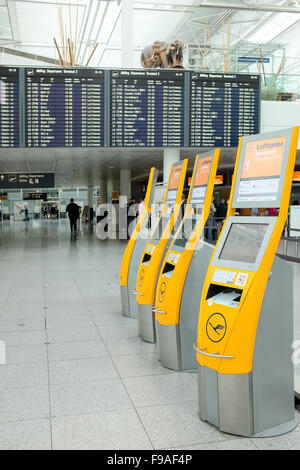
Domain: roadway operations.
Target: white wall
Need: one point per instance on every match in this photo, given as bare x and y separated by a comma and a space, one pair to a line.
276, 115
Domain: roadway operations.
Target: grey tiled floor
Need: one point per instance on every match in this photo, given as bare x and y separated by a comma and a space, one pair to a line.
77, 374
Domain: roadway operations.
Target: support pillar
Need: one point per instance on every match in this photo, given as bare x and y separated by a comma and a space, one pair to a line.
171, 155
91, 203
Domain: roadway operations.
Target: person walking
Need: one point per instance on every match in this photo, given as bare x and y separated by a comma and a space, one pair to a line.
211, 221
73, 212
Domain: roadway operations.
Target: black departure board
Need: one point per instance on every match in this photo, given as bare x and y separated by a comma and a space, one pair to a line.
147, 108
223, 107
9, 107
64, 107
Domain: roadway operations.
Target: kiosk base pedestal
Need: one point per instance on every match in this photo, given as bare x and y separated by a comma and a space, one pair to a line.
125, 301
146, 322
169, 345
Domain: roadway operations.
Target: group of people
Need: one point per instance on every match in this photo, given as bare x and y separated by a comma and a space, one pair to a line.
217, 215
52, 212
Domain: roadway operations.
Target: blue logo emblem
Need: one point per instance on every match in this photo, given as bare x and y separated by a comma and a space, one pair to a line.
216, 327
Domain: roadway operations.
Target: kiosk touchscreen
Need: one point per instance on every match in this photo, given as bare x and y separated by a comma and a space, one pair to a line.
134, 250
245, 329
156, 249
183, 272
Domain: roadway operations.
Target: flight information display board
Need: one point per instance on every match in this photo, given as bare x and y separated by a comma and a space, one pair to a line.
147, 108
64, 107
223, 107
9, 107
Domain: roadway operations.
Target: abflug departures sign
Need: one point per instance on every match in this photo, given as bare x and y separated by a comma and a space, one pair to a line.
26, 180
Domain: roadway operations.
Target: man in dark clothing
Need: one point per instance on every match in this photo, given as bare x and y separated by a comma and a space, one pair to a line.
73, 211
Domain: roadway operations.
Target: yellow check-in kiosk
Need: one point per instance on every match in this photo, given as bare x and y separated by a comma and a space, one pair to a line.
183, 272
245, 330
134, 250
156, 249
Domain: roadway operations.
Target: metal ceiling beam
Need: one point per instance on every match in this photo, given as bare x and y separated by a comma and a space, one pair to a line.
27, 55
233, 6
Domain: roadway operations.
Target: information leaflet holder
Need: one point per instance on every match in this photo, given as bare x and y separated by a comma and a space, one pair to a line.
245, 329
134, 250
156, 249
183, 272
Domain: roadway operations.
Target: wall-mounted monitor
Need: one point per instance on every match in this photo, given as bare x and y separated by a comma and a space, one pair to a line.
64, 107
223, 107
9, 107
147, 108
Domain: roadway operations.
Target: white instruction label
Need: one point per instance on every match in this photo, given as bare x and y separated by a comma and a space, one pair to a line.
241, 279
150, 249
224, 277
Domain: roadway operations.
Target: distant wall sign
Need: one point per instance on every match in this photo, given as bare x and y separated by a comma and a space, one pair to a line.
253, 60
26, 180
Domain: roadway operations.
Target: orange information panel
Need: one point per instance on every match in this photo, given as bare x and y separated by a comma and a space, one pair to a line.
203, 170
201, 180
175, 177
264, 158
261, 170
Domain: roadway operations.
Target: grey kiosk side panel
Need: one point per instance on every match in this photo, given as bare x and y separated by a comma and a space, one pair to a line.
128, 300
176, 341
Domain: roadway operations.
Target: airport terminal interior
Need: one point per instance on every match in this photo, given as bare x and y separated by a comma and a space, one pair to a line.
149, 225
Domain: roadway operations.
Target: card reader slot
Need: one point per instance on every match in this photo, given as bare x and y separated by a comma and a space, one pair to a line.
222, 295
168, 267
146, 258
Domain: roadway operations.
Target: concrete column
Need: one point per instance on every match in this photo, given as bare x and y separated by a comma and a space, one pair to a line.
171, 155
127, 33
125, 183
91, 202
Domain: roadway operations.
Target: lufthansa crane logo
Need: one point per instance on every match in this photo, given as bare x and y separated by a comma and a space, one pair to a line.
216, 327
162, 291
142, 277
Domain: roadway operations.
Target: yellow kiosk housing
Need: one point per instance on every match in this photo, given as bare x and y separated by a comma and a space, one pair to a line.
156, 249
245, 330
182, 276
134, 250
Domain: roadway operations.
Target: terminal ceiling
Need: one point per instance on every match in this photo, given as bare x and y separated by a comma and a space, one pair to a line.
27, 28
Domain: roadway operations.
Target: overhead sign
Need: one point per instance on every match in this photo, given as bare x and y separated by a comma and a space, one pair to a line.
26, 180
296, 177
35, 196
253, 60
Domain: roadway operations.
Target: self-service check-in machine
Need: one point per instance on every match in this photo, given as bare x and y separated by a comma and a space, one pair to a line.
182, 275
156, 248
245, 330
134, 251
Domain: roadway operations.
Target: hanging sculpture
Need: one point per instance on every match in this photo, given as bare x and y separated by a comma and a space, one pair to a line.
163, 55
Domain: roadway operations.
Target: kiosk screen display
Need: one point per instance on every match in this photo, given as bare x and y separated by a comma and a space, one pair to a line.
201, 180
243, 242
260, 175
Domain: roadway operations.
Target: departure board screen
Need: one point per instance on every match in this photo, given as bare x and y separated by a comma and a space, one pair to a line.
64, 107
9, 107
223, 107
147, 108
